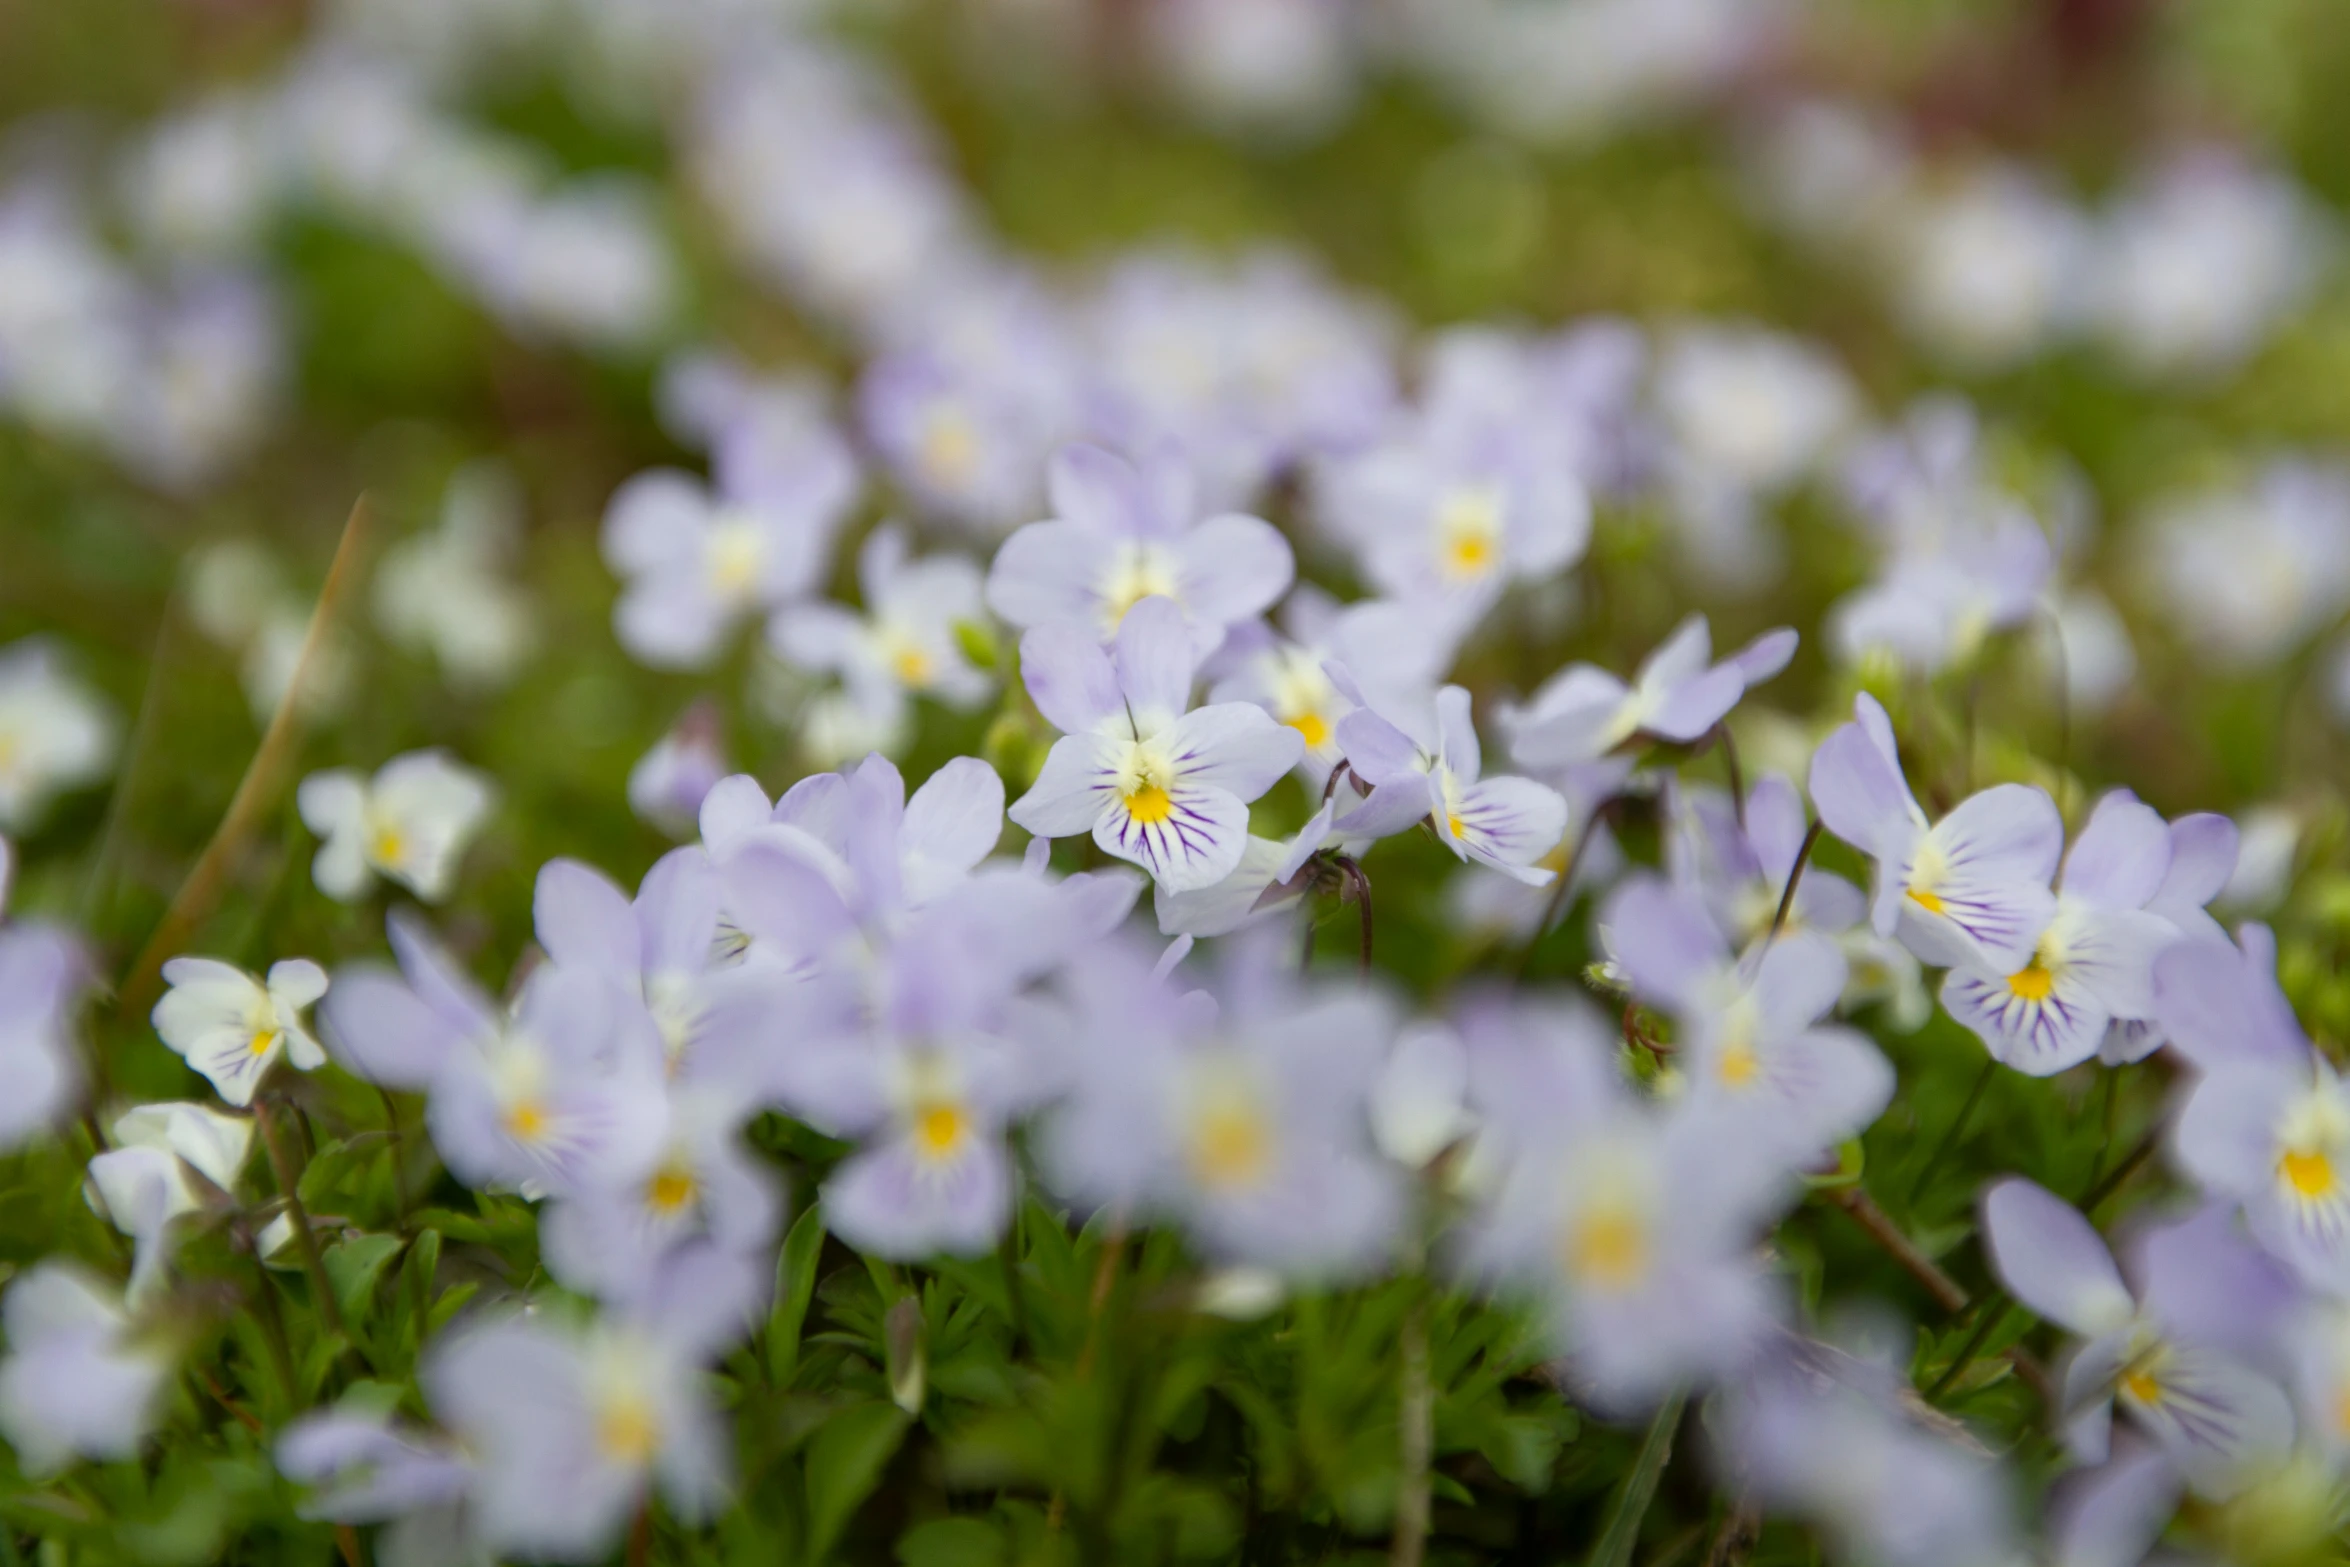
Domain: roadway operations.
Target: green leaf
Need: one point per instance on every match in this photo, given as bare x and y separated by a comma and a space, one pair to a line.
451, 1300
353, 1268
952, 1542
845, 1460
1639, 1488
795, 1284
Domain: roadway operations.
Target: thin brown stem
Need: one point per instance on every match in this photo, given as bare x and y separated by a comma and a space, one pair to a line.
1735, 1536
1881, 1229
2138, 1155
399, 1155
1737, 774
289, 1186
200, 894
1794, 879
1562, 888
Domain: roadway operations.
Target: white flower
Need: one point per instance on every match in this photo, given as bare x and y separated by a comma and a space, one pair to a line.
442, 593
54, 734
142, 1183
410, 824
232, 1028
76, 1381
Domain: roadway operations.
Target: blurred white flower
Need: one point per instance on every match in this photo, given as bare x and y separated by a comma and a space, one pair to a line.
444, 592
79, 1380
1991, 269
54, 733
411, 823
2249, 569
150, 1177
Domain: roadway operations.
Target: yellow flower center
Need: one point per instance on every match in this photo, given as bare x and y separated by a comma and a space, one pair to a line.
1140, 571
386, 846
1468, 533
1313, 726
1231, 1146
1925, 899
1738, 1066
2031, 982
736, 556
2139, 1383
950, 448
1452, 819
526, 1121
626, 1430
1608, 1249
671, 1189
264, 1040
1150, 805
2311, 1174
939, 1129
912, 666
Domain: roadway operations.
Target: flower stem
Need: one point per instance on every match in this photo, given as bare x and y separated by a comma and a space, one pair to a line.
289, 1186
1794, 879
1957, 1130
1416, 1421
1622, 1531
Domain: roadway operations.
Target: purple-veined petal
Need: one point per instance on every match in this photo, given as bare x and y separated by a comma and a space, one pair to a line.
1508, 823
892, 1201
2226, 1135
1233, 746
1076, 786
2040, 1032
1195, 844
2222, 1423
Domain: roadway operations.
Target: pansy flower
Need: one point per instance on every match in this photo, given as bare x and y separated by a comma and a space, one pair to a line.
43, 974
2171, 1355
167, 1160
1739, 862
54, 734
668, 784
1583, 712
365, 1467
1158, 784
1121, 533
232, 1027
1434, 771
409, 824
904, 644
1968, 891
2092, 964
81, 1380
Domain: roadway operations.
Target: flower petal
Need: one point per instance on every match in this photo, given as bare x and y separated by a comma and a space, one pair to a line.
1195, 845
2051, 1259
1075, 787
1234, 746
1070, 677
1233, 567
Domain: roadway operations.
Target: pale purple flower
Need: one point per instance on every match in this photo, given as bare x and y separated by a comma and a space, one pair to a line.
1634, 1226
668, 784
1839, 1441
1740, 867
698, 561
905, 643
1493, 902
1435, 772
55, 734
80, 1380
1239, 1115
1121, 533
565, 1090
2171, 1354
1968, 891
234, 1028
2249, 569
1992, 267
2268, 1121
567, 1425
1266, 879
2203, 857
411, 824
43, 975
2092, 964
1158, 784
2114, 1516
364, 1467
1755, 1051
1583, 712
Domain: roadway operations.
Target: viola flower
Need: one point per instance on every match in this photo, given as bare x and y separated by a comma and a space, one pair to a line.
446, 592
81, 1379
667, 786
1750, 1031
904, 644
54, 734
2268, 1121
43, 975
410, 824
367, 1468
563, 1091
1633, 1226
568, 1423
2092, 964
1419, 1106
1121, 533
233, 1028
1160, 785
1583, 712
2171, 1355
1435, 772
698, 562
1969, 891
1242, 1118
1740, 868
2250, 569
1266, 879
143, 1182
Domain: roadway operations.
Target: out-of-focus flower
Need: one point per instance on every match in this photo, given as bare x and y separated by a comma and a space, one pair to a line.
1434, 772
2203, 849
443, 592
563, 1091
144, 1181
568, 1424
697, 562
2200, 260
1419, 1105
410, 824
669, 782
366, 1468
1739, 863
1991, 268
1158, 784
906, 642
201, 182
43, 973
81, 1379
1583, 712
2268, 849
2170, 1356
2249, 570
1241, 1116
1281, 70
1968, 891
233, 1028
2092, 965
2268, 1121
55, 734
1756, 1051
1122, 533
7, 874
